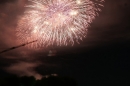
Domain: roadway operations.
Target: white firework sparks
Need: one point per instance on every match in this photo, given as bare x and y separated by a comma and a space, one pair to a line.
56, 22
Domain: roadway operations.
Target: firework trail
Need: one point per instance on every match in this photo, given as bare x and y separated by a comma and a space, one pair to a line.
12, 48
56, 22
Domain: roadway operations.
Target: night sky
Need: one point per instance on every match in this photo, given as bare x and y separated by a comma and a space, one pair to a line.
102, 58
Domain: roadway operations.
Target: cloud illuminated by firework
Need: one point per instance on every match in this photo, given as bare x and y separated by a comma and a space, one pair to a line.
56, 22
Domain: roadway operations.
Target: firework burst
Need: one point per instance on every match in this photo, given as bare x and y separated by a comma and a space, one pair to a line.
56, 22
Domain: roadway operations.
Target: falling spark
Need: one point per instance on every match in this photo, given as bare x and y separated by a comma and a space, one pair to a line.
56, 22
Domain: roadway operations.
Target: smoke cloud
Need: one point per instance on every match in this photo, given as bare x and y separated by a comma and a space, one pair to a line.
24, 69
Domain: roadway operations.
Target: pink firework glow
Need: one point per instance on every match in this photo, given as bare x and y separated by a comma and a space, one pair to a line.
56, 22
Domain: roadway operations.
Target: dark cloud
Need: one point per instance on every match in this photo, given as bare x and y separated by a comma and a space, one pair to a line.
7, 1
